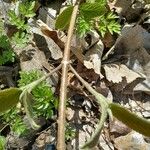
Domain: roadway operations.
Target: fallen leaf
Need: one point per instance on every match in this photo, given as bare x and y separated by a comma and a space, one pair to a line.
146, 112
130, 40
132, 141
118, 128
45, 43
129, 9
134, 45
115, 73
46, 30
92, 58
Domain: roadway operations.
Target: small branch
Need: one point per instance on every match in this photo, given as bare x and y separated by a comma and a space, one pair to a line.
63, 87
25, 97
104, 111
32, 85
109, 52
99, 97
92, 142
4, 127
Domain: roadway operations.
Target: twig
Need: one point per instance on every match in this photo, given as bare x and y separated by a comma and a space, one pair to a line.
106, 55
63, 87
4, 127
32, 85
104, 111
25, 96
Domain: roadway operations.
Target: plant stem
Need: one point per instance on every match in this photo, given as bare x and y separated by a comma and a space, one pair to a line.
4, 127
63, 87
99, 97
110, 51
25, 96
104, 111
32, 85
28, 109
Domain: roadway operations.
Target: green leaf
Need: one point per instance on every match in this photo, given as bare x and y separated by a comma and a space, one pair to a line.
26, 98
138, 124
32, 5
9, 98
7, 54
17, 21
101, 1
2, 142
92, 10
64, 18
44, 100
114, 27
13, 117
103, 29
2, 31
27, 9
111, 16
20, 39
108, 23
4, 42
82, 26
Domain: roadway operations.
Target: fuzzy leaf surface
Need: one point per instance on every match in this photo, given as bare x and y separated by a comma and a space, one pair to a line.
92, 10
64, 18
138, 124
9, 98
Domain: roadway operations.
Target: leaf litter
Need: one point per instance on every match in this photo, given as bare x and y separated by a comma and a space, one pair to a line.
125, 73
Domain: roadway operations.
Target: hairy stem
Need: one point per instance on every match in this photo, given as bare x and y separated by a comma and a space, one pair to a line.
104, 111
32, 85
25, 97
63, 87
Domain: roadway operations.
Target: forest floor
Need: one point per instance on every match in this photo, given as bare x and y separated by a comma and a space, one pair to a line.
115, 65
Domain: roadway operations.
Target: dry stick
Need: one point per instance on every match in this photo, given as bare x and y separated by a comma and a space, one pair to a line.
104, 111
63, 87
106, 55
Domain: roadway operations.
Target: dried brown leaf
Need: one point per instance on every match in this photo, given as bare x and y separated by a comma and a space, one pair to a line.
115, 73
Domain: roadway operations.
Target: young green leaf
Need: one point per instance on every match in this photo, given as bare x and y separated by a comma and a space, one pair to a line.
4, 42
101, 1
9, 98
108, 23
2, 142
7, 54
13, 117
44, 100
26, 98
64, 18
82, 26
92, 10
138, 124
20, 39
27, 9
2, 31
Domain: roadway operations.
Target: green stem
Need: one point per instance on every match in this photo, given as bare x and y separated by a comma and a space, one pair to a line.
95, 137
28, 109
31, 86
103, 102
25, 96
64, 79
4, 127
